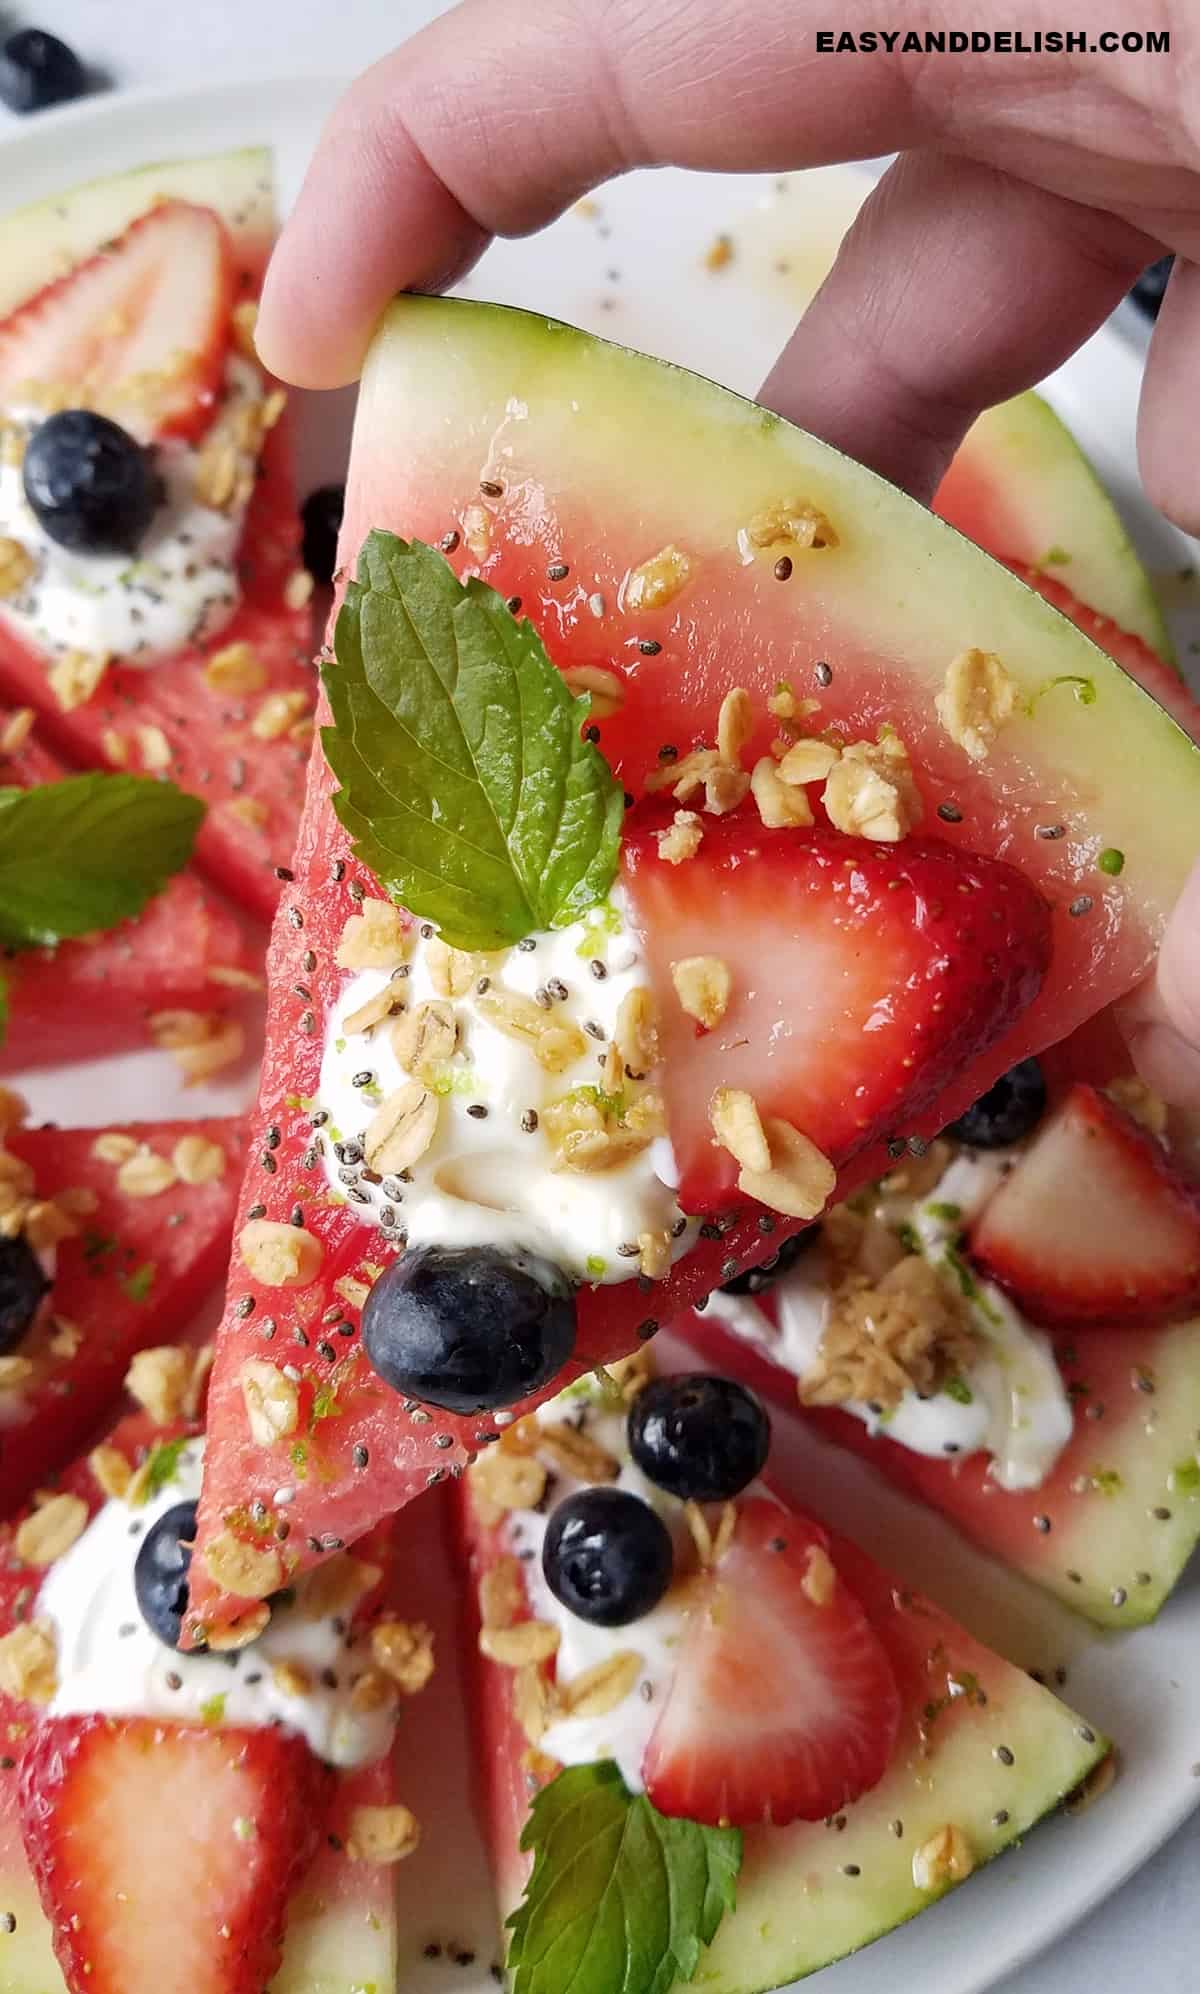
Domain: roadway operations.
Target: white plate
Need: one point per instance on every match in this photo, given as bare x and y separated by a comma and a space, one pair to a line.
633, 268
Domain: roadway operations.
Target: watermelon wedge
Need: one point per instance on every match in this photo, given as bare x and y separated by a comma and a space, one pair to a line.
981, 1751
340, 1931
228, 716
1111, 1527
187, 951
556, 467
149, 1208
1021, 486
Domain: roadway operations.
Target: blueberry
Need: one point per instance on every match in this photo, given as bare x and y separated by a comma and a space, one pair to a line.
160, 1573
469, 1329
1147, 294
322, 516
701, 1438
1008, 1111
607, 1556
89, 483
781, 1262
22, 1285
37, 70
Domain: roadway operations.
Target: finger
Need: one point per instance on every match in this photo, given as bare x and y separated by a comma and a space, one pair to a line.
499, 115
957, 287
1166, 445
1161, 1021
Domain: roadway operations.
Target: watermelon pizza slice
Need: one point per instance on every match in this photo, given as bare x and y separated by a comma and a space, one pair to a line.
796, 852
152, 606
1007, 1328
691, 1698
166, 1820
108, 992
109, 1239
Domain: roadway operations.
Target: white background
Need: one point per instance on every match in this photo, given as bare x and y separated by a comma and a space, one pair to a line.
1149, 1933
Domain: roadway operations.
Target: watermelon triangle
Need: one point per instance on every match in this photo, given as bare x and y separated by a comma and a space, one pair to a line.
444, 374
186, 951
134, 1273
215, 743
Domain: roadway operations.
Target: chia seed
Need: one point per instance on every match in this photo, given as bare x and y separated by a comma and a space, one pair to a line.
243, 1307
1004, 1755
949, 813
1083, 904
360, 1455
490, 488
529, 1121
1050, 831
822, 672
783, 568
477, 1111
557, 571
649, 646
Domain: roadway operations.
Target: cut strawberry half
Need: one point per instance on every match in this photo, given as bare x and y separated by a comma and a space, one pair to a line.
166, 1854
140, 331
864, 976
783, 1706
1093, 1225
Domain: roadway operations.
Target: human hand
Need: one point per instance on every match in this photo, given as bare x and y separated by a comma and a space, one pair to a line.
1029, 193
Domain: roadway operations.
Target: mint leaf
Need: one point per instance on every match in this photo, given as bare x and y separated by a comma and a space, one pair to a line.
622, 1900
82, 854
464, 778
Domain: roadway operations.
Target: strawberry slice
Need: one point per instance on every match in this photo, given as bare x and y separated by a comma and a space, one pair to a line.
1094, 1224
863, 977
165, 1855
783, 1706
138, 332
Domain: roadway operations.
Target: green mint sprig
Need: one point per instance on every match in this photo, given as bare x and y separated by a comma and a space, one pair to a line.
621, 1896
464, 779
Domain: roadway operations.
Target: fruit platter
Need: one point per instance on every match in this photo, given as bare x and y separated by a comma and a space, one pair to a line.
684, 892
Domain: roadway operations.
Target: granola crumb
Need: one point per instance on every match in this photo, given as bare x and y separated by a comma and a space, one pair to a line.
50, 1529
250, 1571
682, 839
606, 690
703, 984
944, 1859
871, 791
197, 1160
404, 1651
737, 1126
374, 938
798, 1180
158, 1379
979, 696
382, 1835
515, 1647
779, 801
280, 1256
145, 1174
271, 1399
29, 1661
657, 581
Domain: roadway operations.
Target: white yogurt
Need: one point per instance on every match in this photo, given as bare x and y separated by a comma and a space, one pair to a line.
109, 1661
622, 1733
1011, 1404
179, 587
486, 1180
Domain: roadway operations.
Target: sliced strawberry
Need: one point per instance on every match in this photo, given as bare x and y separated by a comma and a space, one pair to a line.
140, 331
1129, 650
166, 1854
783, 1706
864, 976
1094, 1224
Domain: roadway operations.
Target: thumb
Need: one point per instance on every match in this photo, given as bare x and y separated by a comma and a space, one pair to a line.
957, 287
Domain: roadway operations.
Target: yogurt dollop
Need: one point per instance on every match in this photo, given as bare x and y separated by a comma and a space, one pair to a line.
181, 585
111, 1663
1010, 1404
491, 1175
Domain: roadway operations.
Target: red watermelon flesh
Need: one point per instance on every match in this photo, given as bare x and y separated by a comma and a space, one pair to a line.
603, 435
134, 1275
805, 1897
252, 781
342, 1918
94, 996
